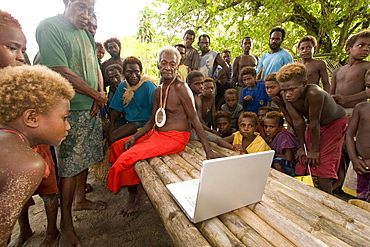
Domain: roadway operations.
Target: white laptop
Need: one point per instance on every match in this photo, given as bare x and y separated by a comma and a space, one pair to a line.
225, 184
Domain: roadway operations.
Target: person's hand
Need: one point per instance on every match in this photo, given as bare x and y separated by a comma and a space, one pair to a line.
360, 166
248, 98
213, 155
300, 154
313, 158
129, 143
340, 99
101, 99
238, 148
94, 109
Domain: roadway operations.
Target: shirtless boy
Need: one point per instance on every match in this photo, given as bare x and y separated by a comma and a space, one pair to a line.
34, 108
245, 59
358, 150
167, 131
208, 102
316, 69
324, 136
347, 83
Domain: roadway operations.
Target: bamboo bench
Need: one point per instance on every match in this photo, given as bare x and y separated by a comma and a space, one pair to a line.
291, 213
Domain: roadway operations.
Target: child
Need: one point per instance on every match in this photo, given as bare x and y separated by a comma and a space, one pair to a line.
254, 94
283, 142
183, 69
274, 92
208, 102
246, 140
316, 69
232, 106
221, 86
328, 122
261, 117
223, 123
14, 39
358, 150
34, 109
347, 83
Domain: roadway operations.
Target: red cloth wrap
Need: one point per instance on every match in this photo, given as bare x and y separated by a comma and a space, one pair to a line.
330, 145
152, 144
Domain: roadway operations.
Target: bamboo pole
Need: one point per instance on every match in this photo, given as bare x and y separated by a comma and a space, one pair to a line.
243, 231
179, 228
262, 227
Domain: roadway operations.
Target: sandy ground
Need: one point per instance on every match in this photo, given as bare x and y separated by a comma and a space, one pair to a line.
105, 228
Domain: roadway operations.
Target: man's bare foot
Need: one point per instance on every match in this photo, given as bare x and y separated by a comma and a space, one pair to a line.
21, 239
50, 239
89, 205
68, 238
130, 203
140, 200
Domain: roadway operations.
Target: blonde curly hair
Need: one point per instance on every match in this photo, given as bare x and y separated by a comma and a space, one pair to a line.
292, 71
30, 87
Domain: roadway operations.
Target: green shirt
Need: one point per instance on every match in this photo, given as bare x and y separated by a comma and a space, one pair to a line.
63, 45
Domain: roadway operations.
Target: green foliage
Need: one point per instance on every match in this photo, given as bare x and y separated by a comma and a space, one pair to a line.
228, 21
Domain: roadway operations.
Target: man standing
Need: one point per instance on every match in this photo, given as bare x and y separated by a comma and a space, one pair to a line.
113, 47
68, 48
192, 57
273, 60
210, 59
241, 61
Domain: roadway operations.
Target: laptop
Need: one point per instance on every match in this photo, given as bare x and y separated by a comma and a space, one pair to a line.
225, 184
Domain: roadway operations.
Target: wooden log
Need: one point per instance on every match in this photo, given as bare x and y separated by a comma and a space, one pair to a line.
191, 170
222, 150
167, 175
176, 168
243, 231
290, 213
261, 226
290, 230
192, 158
322, 210
179, 228
328, 200
217, 234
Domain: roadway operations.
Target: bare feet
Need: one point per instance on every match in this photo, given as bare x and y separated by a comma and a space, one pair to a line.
89, 205
50, 239
21, 239
140, 200
68, 238
130, 203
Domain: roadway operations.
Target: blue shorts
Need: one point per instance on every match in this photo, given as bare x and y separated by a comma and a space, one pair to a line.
287, 166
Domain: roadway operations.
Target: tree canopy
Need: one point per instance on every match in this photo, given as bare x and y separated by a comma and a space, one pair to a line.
228, 21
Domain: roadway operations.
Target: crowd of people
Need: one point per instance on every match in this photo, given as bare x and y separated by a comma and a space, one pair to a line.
249, 105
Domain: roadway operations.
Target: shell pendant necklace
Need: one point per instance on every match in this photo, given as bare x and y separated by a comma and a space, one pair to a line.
160, 115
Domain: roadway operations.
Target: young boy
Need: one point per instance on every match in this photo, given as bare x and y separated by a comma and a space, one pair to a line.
254, 94
262, 111
134, 97
208, 102
183, 69
246, 140
347, 83
34, 109
283, 142
328, 122
316, 69
221, 86
232, 106
13, 41
223, 123
358, 150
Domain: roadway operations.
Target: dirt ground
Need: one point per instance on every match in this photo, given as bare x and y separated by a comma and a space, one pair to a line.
105, 228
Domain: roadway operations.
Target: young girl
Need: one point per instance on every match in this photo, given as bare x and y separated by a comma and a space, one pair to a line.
246, 140
283, 142
208, 102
